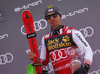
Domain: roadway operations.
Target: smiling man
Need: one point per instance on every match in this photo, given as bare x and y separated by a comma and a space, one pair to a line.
63, 45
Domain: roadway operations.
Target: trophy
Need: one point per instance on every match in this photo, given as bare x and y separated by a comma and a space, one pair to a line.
75, 64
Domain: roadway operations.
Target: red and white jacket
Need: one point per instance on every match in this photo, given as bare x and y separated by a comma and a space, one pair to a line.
62, 48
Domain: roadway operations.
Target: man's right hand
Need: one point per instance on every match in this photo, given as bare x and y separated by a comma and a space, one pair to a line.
31, 55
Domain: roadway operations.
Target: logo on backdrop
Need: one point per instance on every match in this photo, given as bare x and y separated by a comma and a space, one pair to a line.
75, 12
87, 32
28, 6
59, 0
38, 25
95, 72
3, 36
96, 51
6, 58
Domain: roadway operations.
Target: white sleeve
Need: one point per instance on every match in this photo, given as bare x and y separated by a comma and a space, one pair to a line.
43, 50
83, 45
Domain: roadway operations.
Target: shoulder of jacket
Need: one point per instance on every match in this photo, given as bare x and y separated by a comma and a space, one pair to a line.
68, 29
47, 35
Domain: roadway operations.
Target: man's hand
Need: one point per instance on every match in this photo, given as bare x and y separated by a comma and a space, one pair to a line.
83, 69
31, 55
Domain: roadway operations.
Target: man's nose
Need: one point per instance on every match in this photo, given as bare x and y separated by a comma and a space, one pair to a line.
52, 18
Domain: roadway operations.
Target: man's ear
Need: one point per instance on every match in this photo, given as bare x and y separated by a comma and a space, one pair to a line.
59, 16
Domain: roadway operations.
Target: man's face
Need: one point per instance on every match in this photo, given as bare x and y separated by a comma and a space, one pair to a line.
54, 19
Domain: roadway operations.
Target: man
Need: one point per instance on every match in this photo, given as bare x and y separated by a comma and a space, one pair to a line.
63, 45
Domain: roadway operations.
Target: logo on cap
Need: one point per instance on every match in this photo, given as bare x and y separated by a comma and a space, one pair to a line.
50, 6
50, 10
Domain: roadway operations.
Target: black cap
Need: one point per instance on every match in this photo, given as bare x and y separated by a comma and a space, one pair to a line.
51, 8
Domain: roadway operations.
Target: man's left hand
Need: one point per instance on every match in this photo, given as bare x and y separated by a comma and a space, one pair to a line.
83, 69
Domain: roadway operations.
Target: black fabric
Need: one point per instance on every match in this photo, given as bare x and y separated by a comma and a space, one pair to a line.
45, 71
83, 69
56, 31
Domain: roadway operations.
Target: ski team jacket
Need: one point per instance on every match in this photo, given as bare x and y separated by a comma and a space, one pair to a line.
62, 48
